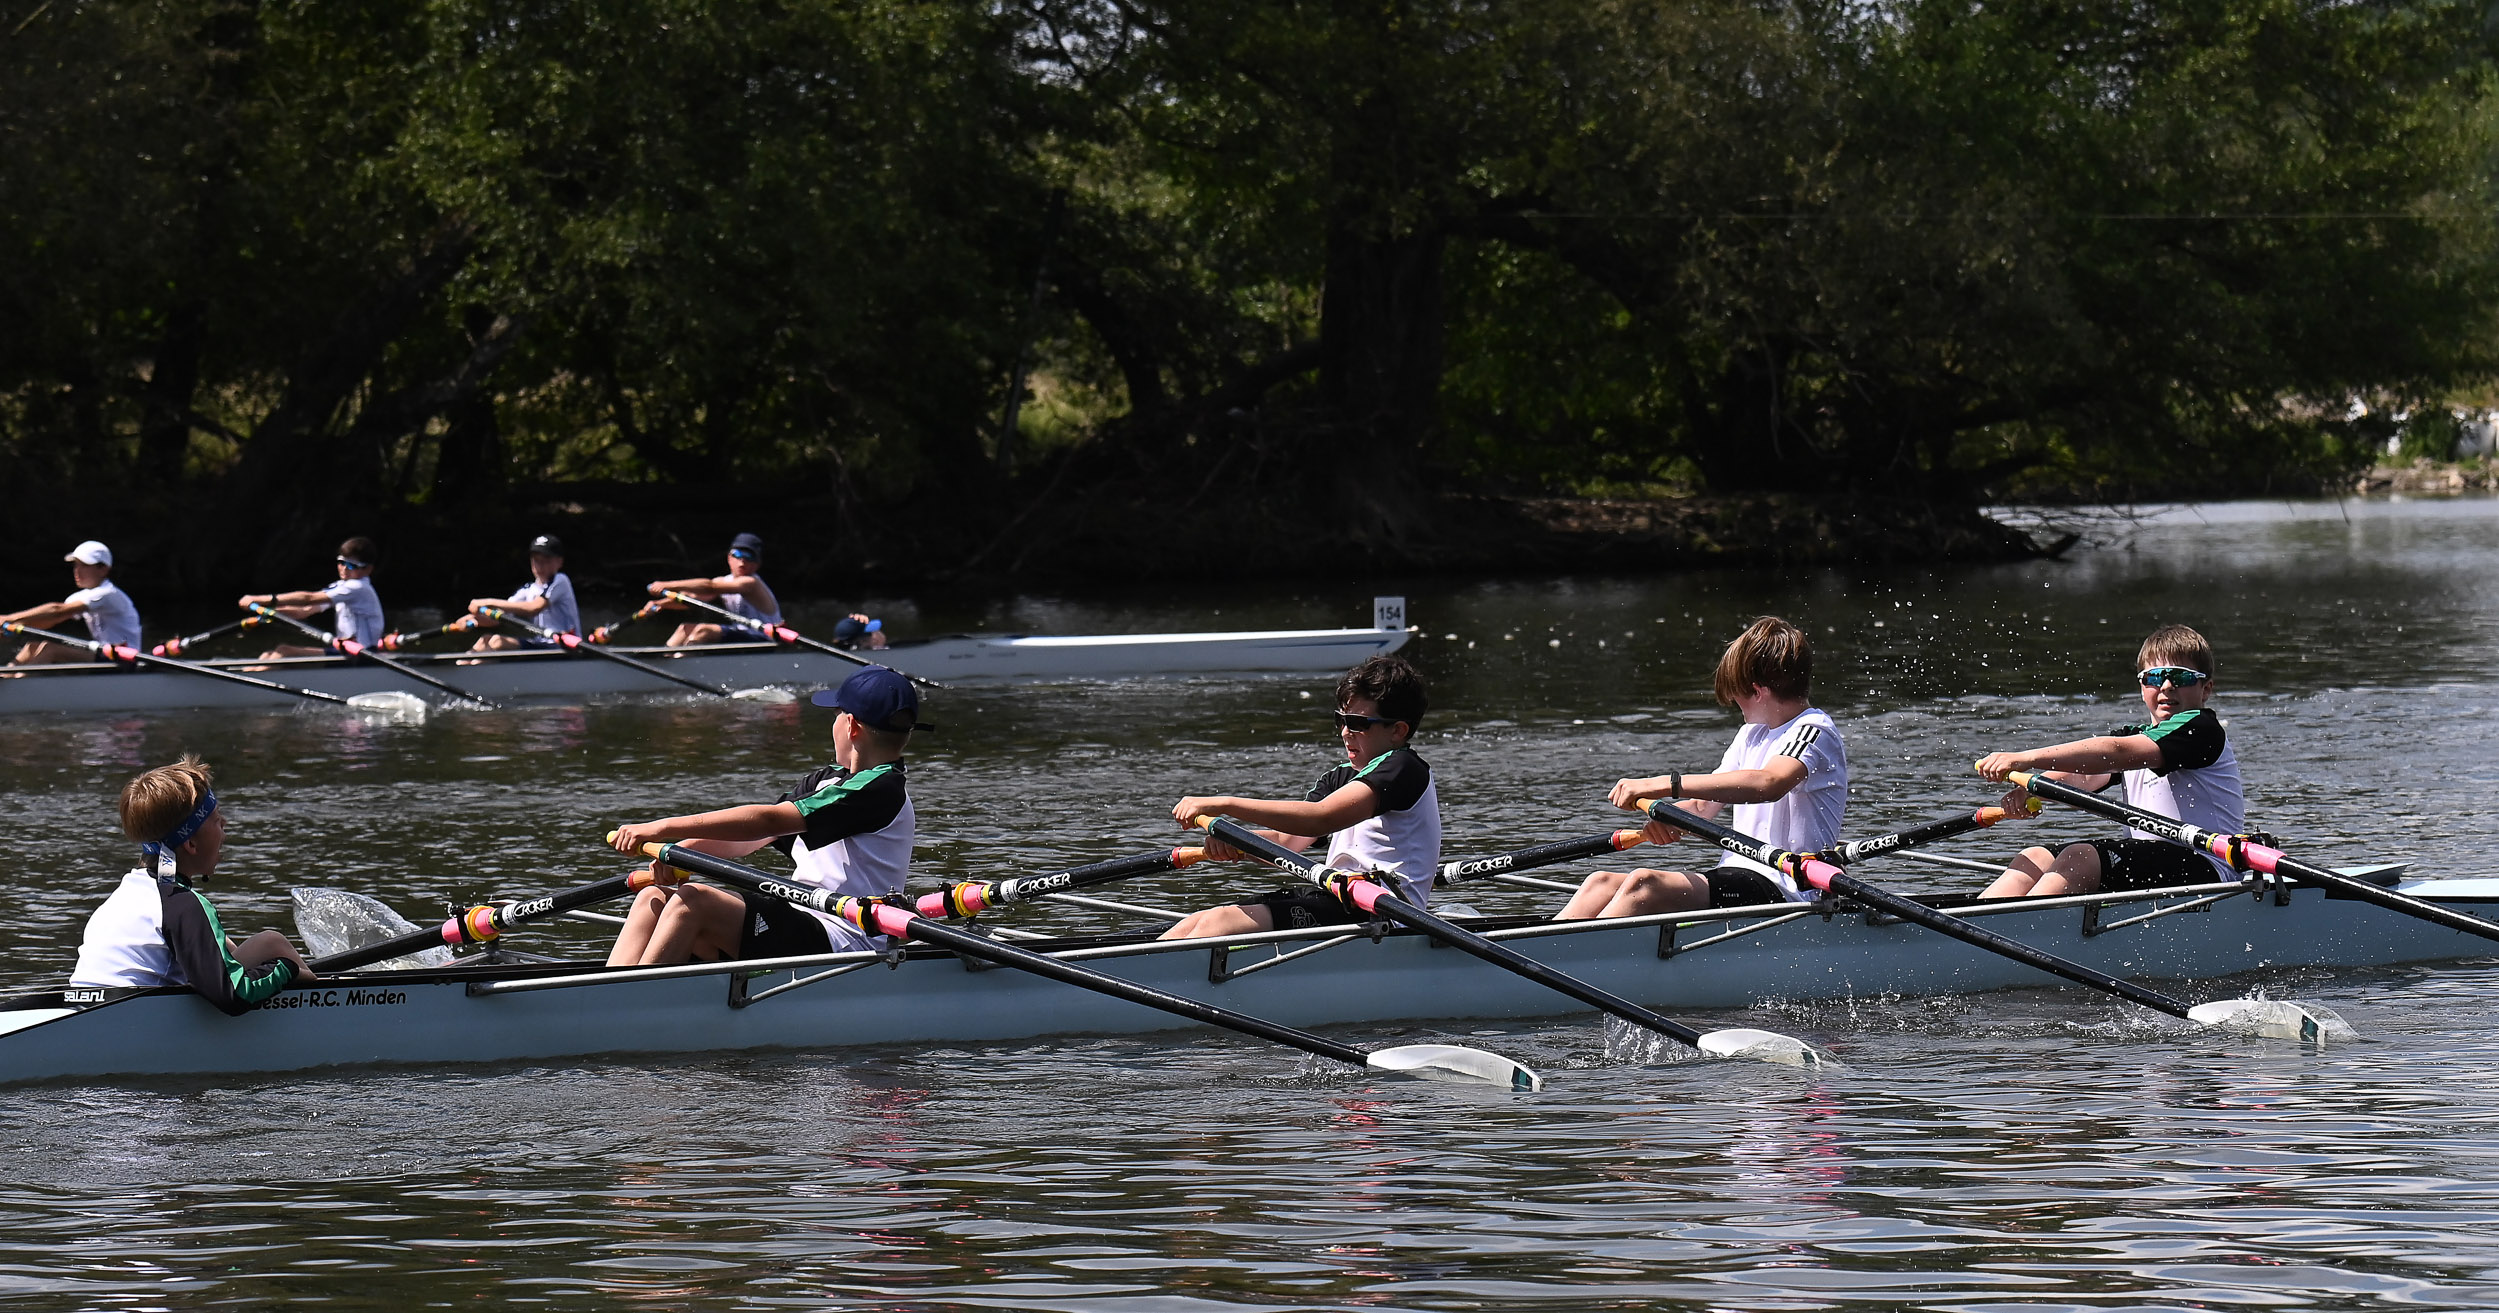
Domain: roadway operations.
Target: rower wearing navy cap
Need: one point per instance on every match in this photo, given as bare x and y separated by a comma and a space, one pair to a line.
742, 591
848, 827
157, 928
546, 601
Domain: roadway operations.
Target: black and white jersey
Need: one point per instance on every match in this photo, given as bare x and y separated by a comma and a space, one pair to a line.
158, 930
1402, 837
2197, 780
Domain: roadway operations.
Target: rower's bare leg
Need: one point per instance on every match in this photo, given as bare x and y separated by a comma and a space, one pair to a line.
284, 650
1648, 891
40, 653
494, 643
2075, 871
1594, 893
699, 923
2020, 874
690, 635
640, 920
1236, 919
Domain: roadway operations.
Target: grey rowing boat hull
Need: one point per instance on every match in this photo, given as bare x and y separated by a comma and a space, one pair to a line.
549, 673
448, 1017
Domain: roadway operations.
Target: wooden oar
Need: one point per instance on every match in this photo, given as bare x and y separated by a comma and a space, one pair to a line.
1361, 893
174, 647
479, 924
354, 650
2279, 1018
971, 899
395, 703
1437, 1061
785, 634
2242, 853
573, 643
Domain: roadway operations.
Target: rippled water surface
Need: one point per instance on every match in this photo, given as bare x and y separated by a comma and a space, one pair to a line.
2032, 1149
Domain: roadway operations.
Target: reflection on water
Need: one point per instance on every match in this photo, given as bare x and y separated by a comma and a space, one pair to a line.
2035, 1149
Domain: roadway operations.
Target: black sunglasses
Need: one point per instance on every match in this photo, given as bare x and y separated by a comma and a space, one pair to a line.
1357, 721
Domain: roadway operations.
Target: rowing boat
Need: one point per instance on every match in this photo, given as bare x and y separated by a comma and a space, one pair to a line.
479, 1011
550, 673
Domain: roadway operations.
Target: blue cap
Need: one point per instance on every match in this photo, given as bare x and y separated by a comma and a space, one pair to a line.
747, 545
880, 697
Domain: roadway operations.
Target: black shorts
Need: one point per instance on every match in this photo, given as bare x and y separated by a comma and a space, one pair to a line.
2150, 864
776, 929
1738, 886
1304, 906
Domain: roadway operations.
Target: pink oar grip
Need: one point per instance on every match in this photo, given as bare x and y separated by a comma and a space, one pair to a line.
890, 920
1365, 894
1819, 874
2261, 857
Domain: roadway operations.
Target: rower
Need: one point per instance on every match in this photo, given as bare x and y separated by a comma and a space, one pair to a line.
1379, 810
2178, 764
744, 593
158, 928
1786, 774
848, 826
110, 615
355, 608
546, 600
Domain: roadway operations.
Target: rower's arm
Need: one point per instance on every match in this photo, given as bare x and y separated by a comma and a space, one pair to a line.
45, 614
760, 822
1352, 804
531, 607
2100, 755
702, 588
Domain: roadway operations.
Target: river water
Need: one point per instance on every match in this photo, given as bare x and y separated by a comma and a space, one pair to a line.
2034, 1149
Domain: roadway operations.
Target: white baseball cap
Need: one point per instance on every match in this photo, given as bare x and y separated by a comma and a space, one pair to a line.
90, 552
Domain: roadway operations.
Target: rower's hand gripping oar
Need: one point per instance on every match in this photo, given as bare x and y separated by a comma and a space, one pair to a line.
575, 644
784, 634
1435, 1061
354, 650
2277, 1018
397, 705
1373, 899
975, 897
486, 922
2243, 853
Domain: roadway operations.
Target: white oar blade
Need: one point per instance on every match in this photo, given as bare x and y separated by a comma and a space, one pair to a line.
1453, 1062
1765, 1046
391, 708
2275, 1018
335, 920
772, 696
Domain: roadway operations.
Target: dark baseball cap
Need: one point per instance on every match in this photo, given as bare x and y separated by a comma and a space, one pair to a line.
880, 697
747, 544
546, 544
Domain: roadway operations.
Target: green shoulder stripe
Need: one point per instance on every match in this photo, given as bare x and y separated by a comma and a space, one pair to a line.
1375, 763
838, 790
2177, 721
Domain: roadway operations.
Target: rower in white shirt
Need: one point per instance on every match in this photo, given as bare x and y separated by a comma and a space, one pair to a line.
355, 609
546, 600
110, 615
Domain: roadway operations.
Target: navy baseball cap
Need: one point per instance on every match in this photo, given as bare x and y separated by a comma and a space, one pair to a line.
747, 545
546, 544
880, 697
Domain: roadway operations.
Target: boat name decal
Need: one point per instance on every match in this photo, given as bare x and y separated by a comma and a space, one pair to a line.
337, 998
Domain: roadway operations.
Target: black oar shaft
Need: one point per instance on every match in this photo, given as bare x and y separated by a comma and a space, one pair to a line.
1928, 832
1828, 877
884, 918
1543, 854
573, 643
785, 634
2244, 854
174, 647
479, 924
1353, 887
357, 651
974, 897
133, 656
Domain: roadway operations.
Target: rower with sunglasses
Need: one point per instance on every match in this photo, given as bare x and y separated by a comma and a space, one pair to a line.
1378, 810
356, 609
2179, 765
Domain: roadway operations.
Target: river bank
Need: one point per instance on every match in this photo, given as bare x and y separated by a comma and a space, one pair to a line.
2432, 478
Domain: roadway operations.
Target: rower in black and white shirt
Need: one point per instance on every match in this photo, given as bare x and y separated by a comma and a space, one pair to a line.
1379, 810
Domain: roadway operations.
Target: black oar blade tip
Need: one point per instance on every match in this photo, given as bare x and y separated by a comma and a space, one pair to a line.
2275, 1018
1765, 1046
1454, 1062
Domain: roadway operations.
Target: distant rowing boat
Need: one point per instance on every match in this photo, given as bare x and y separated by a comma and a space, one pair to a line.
548, 673
482, 1012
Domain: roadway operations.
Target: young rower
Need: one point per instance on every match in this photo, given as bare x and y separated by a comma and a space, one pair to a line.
108, 611
743, 592
2178, 764
356, 610
546, 600
1378, 809
848, 826
1786, 774
158, 928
